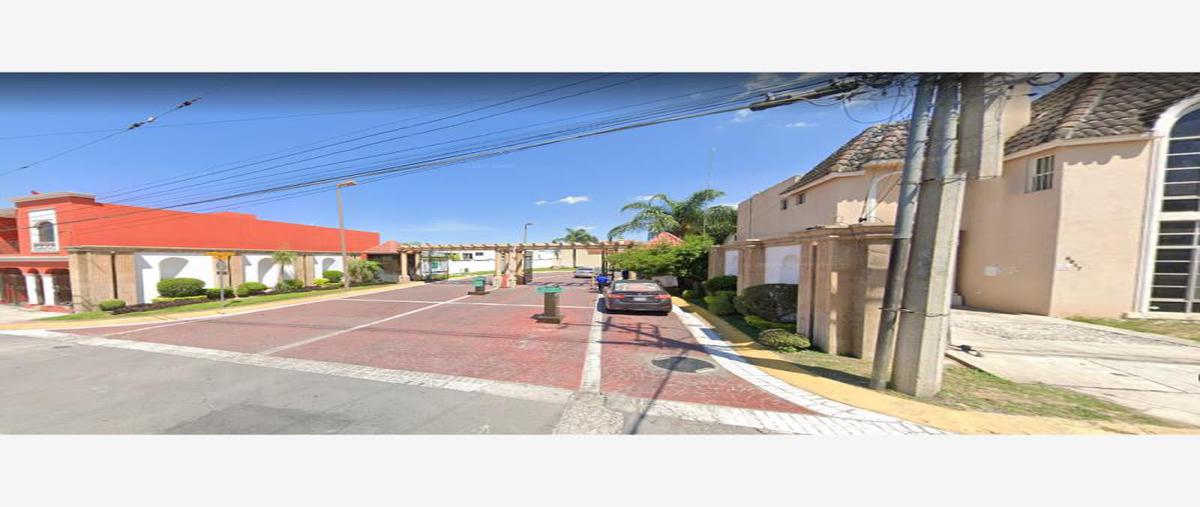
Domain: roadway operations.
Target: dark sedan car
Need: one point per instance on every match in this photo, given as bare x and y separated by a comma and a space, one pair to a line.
638, 295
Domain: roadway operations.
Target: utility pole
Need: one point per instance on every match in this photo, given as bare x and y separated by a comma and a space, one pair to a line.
712, 152
342, 232
910, 178
925, 318
525, 233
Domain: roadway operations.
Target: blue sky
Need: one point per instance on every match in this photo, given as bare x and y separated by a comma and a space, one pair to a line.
578, 183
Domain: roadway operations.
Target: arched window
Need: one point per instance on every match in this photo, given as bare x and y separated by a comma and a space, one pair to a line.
1175, 283
45, 232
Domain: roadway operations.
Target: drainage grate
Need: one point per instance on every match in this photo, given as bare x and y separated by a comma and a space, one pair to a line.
683, 364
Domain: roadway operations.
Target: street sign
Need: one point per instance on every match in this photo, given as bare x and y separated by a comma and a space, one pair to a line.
220, 254
550, 289
222, 267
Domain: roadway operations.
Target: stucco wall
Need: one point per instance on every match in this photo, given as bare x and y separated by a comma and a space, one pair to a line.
1006, 252
150, 270
839, 200
782, 264
1101, 220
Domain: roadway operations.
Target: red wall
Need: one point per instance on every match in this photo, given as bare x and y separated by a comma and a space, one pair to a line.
9, 240
83, 222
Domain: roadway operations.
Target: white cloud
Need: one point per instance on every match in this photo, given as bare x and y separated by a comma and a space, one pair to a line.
800, 124
741, 116
644, 197
585, 227
574, 199
570, 199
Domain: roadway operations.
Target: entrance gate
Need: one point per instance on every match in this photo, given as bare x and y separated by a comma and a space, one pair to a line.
12, 287
528, 268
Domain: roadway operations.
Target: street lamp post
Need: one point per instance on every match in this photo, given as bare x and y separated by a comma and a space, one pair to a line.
342, 232
525, 234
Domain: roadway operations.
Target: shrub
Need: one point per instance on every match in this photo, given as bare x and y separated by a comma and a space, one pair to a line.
689, 294
772, 301
215, 293
250, 289
188, 299
320, 281
363, 270
782, 340
720, 303
289, 285
109, 305
180, 287
333, 275
764, 324
716, 283
739, 304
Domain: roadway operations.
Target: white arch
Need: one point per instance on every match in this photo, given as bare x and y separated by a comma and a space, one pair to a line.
171, 267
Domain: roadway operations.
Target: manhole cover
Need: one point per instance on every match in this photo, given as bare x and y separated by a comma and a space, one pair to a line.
682, 364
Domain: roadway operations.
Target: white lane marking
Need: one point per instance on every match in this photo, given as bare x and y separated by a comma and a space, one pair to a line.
412, 378
355, 328
728, 358
146, 328
762, 419
247, 312
458, 303
591, 362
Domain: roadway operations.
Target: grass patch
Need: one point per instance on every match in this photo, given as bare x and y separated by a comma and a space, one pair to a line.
1186, 329
963, 388
208, 305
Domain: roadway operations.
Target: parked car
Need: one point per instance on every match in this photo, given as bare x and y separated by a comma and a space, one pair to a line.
638, 295
585, 272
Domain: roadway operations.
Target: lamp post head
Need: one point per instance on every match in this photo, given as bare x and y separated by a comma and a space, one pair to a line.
347, 183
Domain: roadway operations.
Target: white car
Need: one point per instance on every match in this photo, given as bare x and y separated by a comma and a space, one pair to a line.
585, 272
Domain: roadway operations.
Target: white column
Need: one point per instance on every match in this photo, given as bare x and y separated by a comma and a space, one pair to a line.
31, 287
48, 288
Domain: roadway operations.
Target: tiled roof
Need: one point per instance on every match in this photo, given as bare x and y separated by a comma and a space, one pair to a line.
883, 142
665, 238
1096, 105
387, 247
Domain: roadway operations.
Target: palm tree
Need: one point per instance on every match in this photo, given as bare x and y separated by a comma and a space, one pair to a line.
283, 258
696, 214
576, 236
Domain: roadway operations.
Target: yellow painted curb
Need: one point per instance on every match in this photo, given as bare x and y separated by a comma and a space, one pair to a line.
169, 317
956, 421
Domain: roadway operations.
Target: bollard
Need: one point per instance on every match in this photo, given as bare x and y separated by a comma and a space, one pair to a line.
550, 313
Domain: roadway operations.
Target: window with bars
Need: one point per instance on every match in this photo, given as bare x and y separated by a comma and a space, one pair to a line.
1042, 176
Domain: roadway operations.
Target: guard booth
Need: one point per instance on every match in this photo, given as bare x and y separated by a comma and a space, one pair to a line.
434, 266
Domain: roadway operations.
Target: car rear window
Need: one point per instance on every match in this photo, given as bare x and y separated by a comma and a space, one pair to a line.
639, 287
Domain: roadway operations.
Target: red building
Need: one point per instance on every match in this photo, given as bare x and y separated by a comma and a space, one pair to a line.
64, 251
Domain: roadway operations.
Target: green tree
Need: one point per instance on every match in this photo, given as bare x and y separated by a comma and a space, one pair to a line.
283, 258
361, 270
693, 215
576, 236
687, 261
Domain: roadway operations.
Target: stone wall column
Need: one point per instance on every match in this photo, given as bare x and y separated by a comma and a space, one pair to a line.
753, 264
716, 261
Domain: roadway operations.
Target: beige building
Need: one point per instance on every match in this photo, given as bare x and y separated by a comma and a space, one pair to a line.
1096, 212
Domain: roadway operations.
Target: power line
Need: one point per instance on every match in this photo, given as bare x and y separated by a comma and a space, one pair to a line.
449, 159
132, 126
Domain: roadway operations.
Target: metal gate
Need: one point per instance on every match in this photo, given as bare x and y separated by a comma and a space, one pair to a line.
12, 287
528, 268
435, 266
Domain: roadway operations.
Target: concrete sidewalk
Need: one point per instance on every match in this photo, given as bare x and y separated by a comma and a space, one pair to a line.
1156, 375
10, 314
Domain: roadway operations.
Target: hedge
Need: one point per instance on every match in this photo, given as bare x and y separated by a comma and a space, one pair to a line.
739, 304
782, 340
716, 283
720, 303
333, 275
773, 301
109, 305
215, 293
764, 324
250, 289
289, 285
192, 299
689, 294
320, 281
180, 287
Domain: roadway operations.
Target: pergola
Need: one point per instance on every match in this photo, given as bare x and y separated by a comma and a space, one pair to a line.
509, 264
